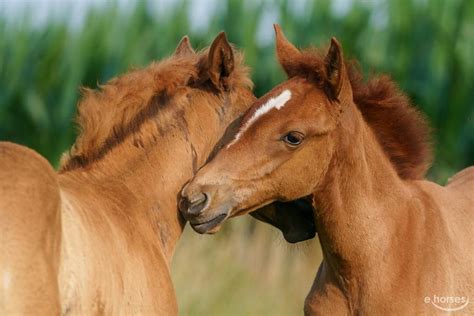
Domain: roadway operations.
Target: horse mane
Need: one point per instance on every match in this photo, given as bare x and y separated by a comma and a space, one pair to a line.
401, 130
109, 115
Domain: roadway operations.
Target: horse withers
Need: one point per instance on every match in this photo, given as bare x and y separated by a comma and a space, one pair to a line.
393, 243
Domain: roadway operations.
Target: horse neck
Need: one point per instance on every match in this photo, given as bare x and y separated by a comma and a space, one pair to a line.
135, 190
355, 217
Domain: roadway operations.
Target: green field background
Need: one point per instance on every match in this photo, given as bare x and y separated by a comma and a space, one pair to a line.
427, 46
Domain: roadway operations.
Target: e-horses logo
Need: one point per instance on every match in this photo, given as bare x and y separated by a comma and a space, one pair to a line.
448, 303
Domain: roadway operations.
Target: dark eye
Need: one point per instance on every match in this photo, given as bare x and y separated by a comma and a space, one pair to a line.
293, 138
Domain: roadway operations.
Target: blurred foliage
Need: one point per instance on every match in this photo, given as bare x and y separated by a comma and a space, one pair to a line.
427, 46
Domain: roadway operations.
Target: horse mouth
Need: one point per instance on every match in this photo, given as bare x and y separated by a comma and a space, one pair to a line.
205, 227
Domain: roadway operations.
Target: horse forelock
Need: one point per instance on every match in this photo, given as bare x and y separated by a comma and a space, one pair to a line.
117, 110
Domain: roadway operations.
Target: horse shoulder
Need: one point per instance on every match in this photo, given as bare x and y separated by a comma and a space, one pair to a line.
30, 222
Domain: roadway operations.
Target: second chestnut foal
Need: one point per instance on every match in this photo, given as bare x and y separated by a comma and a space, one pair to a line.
393, 243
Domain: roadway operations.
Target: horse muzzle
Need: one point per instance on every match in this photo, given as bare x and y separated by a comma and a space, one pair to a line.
196, 207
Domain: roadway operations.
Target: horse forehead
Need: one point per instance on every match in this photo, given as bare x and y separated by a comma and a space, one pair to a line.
271, 102
286, 95
274, 101
277, 98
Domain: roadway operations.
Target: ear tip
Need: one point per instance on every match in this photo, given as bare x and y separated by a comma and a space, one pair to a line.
184, 46
278, 31
335, 42
221, 36
221, 39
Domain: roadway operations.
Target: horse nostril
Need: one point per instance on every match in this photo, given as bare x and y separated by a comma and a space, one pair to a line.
196, 203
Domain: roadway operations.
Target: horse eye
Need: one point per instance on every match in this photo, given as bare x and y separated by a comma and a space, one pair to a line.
293, 138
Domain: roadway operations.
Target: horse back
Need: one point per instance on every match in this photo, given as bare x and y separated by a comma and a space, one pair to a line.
455, 200
463, 182
461, 189
30, 232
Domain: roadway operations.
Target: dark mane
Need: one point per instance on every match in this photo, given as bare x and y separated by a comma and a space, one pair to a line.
401, 129
108, 116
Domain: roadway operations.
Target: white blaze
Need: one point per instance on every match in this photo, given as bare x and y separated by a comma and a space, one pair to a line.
274, 103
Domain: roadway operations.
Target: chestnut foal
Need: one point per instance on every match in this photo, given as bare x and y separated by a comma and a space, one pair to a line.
98, 237
392, 242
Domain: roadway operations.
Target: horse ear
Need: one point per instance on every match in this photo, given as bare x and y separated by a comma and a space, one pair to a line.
221, 62
286, 51
184, 47
334, 64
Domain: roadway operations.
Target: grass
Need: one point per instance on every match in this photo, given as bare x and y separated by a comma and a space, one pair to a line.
246, 269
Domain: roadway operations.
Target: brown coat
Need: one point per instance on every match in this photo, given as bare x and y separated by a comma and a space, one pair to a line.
393, 243
98, 237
